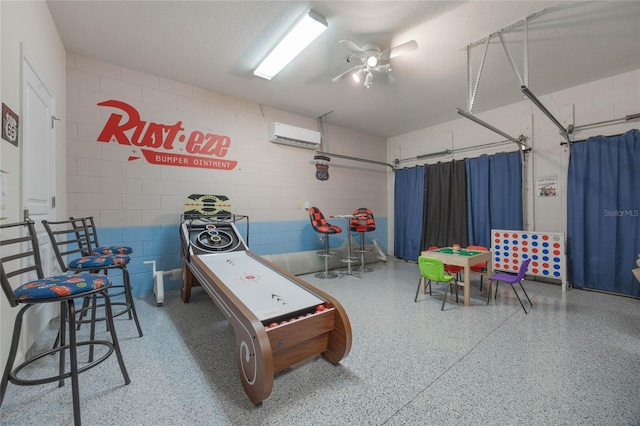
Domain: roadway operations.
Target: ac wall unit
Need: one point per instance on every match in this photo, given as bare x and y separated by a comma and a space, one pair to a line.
293, 136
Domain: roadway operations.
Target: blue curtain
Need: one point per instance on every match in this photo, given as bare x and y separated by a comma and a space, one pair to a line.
603, 213
408, 205
505, 190
478, 219
494, 195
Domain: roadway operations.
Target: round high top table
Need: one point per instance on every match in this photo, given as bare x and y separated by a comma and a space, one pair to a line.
348, 260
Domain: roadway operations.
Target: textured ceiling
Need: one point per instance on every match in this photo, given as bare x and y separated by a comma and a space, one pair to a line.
216, 45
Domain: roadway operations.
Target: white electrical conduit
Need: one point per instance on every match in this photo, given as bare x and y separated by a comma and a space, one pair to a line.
158, 280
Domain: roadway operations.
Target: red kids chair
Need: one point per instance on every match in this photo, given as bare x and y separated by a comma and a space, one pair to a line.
450, 269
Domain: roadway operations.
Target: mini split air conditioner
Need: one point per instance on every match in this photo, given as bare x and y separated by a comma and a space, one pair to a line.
293, 136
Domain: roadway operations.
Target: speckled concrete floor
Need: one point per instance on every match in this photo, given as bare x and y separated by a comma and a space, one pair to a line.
573, 360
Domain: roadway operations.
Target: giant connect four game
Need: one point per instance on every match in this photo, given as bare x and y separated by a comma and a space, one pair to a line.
546, 250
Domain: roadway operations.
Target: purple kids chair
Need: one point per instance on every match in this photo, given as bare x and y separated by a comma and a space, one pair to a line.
510, 279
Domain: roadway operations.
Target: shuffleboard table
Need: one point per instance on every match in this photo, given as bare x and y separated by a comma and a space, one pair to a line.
278, 319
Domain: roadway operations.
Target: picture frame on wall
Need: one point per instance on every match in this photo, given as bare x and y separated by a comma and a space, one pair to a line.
547, 186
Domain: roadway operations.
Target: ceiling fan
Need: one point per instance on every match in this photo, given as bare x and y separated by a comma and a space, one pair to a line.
371, 60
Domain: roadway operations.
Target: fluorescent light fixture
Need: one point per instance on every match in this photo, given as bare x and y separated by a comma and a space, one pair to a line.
310, 26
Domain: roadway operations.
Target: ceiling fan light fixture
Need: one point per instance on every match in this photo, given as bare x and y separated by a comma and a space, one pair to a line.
370, 58
357, 76
368, 81
308, 28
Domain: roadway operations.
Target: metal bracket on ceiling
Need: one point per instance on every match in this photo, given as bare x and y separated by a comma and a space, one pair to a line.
473, 89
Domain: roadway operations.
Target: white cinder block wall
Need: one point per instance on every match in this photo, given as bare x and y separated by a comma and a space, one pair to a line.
130, 195
265, 184
602, 100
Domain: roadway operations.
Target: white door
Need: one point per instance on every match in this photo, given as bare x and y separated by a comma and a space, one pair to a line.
37, 152
38, 157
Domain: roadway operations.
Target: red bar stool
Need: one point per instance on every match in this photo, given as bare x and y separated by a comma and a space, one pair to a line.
362, 222
320, 225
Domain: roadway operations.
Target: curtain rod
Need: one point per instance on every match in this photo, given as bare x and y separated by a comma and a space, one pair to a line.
453, 151
434, 154
600, 123
363, 160
629, 117
584, 140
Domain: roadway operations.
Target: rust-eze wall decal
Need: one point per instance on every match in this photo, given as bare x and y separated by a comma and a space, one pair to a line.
165, 144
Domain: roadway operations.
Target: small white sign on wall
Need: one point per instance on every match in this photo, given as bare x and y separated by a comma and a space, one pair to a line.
547, 186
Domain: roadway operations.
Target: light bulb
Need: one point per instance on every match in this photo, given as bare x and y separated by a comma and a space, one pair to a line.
368, 80
357, 76
372, 61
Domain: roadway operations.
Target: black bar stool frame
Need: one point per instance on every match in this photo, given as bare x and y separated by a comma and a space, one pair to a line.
320, 225
51, 290
70, 238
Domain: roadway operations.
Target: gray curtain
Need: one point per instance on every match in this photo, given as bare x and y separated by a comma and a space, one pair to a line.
445, 205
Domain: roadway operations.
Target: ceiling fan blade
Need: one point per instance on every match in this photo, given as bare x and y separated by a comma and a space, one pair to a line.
345, 74
399, 50
386, 76
390, 79
349, 45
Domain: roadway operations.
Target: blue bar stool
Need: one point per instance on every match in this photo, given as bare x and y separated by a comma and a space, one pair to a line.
20, 244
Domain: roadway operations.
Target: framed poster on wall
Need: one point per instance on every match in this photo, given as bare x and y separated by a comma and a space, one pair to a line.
547, 186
